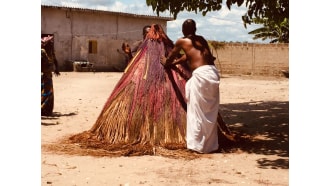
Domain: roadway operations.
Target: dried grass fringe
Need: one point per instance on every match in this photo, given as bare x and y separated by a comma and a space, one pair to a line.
89, 147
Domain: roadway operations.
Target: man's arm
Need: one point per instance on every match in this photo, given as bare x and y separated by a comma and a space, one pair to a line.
182, 59
136, 46
170, 60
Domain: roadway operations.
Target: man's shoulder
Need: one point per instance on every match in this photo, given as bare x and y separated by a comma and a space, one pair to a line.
183, 39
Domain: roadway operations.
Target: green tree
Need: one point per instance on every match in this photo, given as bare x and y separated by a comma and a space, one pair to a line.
277, 32
276, 11
273, 14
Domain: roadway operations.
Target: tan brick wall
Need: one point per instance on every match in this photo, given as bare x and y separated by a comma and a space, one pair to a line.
252, 59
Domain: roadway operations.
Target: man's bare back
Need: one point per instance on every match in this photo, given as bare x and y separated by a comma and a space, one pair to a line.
194, 57
196, 49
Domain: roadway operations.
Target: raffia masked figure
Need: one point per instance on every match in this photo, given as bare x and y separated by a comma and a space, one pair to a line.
147, 107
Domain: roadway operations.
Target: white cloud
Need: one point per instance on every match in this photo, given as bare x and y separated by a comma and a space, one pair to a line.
217, 21
118, 7
233, 12
173, 24
101, 7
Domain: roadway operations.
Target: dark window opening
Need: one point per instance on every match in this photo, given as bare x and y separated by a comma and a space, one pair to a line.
92, 47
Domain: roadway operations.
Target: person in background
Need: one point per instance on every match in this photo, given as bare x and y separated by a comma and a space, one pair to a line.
130, 52
48, 66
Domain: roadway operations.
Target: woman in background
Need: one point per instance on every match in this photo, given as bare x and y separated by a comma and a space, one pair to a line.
48, 65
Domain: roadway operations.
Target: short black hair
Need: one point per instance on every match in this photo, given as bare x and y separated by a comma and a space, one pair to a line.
189, 27
144, 30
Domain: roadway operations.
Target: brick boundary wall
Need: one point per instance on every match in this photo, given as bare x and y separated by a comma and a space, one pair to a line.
252, 59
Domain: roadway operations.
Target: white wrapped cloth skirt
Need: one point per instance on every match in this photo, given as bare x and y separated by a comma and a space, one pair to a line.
202, 94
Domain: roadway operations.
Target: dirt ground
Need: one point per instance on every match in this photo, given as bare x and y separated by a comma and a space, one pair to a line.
256, 108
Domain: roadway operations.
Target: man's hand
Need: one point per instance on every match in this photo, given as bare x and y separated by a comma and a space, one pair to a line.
57, 73
163, 60
126, 48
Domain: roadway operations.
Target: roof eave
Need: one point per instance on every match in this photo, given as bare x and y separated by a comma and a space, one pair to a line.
108, 12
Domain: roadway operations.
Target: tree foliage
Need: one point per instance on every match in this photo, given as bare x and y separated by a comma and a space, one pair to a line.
277, 32
276, 11
175, 6
272, 9
273, 15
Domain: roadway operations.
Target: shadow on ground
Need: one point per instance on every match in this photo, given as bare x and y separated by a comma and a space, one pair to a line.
54, 117
261, 128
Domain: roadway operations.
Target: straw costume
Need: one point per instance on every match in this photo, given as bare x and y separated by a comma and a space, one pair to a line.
147, 108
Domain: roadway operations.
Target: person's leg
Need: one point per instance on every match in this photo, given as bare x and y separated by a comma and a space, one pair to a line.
47, 95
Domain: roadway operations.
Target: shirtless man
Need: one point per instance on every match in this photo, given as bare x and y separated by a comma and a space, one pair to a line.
202, 89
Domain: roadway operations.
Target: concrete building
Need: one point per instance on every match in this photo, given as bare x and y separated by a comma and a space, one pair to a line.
93, 36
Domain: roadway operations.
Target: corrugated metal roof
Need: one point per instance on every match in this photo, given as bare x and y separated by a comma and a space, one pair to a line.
108, 12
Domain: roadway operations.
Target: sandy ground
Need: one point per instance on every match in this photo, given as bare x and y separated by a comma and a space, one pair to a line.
254, 107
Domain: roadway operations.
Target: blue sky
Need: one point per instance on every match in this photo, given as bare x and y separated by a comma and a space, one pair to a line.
222, 25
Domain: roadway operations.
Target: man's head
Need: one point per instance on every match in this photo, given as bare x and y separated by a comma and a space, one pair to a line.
145, 30
189, 27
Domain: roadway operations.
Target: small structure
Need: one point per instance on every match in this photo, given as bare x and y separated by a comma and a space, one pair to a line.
83, 66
